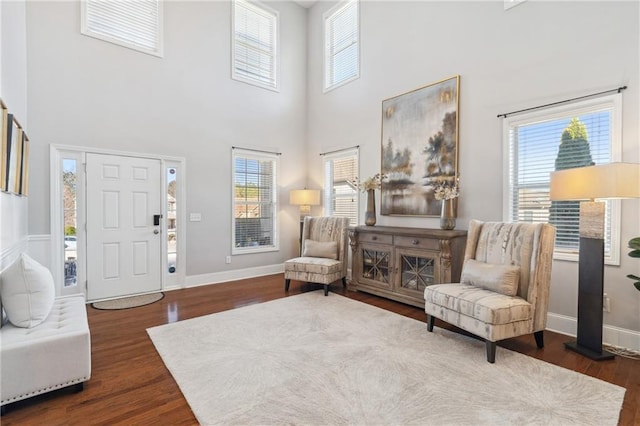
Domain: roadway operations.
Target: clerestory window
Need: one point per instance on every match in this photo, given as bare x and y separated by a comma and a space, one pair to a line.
254, 47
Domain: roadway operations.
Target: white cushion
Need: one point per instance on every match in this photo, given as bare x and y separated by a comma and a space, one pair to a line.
502, 279
27, 292
326, 249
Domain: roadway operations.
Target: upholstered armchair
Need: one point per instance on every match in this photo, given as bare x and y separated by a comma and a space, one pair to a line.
504, 285
323, 257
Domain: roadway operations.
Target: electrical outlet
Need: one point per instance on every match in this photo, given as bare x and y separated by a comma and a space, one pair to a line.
606, 303
228, 260
195, 217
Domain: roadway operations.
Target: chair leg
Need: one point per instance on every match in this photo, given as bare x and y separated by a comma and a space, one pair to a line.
430, 322
344, 281
491, 351
539, 339
326, 289
286, 284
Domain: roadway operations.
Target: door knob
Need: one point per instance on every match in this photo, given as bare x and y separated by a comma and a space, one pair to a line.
155, 231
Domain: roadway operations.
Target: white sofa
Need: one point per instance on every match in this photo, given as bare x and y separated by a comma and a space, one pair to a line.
52, 355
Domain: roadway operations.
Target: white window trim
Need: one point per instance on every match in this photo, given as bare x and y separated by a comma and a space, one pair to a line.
255, 155
327, 191
325, 56
561, 111
276, 48
158, 52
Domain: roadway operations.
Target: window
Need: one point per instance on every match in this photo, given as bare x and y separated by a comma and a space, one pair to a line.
172, 219
341, 196
69, 213
563, 137
341, 45
254, 50
133, 24
254, 202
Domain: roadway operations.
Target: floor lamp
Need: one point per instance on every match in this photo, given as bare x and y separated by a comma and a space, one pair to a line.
305, 198
613, 180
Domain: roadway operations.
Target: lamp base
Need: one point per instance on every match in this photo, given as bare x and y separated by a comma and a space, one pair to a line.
589, 353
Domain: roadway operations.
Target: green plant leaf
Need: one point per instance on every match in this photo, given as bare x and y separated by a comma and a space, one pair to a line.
633, 277
634, 243
634, 253
637, 285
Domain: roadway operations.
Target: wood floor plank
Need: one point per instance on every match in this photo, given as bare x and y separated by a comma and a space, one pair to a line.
131, 385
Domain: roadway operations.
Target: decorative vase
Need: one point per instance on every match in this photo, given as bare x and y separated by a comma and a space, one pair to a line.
448, 214
370, 213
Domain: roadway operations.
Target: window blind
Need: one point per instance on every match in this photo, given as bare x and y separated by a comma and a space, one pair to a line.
341, 196
542, 144
341, 31
133, 24
254, 202
254, 44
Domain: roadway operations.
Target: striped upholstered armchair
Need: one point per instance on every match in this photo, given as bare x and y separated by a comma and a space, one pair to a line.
504, 285
324, 254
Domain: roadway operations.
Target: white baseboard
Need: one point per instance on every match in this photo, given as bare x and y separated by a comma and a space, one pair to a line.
236, 274
610, 335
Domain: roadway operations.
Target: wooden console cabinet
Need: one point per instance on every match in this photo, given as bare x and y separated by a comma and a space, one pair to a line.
398, 263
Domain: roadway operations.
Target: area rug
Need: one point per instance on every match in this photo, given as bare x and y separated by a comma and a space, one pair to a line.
129, 302
316, 360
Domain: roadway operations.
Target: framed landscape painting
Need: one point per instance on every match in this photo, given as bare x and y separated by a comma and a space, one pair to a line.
419, 148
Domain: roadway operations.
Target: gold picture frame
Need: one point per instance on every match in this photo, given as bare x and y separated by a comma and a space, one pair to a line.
24, 169
419, 147
4, 153
14, 155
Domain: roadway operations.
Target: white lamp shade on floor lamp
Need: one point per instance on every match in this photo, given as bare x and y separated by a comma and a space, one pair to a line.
613, 180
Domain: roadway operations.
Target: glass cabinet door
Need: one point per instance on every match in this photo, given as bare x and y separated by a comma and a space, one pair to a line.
416, 271
376, 266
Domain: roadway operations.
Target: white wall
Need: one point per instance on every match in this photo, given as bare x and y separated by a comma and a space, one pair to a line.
535, 53
13, 90
90, 93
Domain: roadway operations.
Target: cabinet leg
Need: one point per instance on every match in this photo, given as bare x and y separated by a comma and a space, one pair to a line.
286, 285
344, 282
430, 322
326, 289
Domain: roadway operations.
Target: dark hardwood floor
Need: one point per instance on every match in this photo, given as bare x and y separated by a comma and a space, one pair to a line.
130, 384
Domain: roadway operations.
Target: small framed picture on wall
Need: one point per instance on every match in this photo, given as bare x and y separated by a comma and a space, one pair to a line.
4, 153
14, 154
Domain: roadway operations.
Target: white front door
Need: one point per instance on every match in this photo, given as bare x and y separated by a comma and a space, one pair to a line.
123, 243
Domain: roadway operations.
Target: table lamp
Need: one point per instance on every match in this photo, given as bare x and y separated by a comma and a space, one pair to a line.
613, 180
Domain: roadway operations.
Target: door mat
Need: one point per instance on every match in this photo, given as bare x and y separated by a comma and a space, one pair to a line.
129, 302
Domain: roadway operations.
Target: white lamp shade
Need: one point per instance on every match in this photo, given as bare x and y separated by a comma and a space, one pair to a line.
613, 180
304, 197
